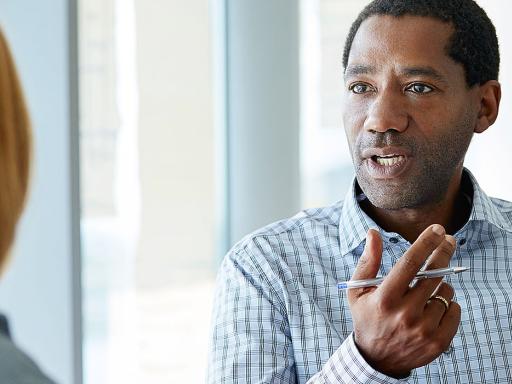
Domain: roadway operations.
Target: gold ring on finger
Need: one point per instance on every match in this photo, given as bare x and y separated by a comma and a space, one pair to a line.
442, 300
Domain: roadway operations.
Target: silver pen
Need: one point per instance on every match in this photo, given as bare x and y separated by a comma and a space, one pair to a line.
429, 274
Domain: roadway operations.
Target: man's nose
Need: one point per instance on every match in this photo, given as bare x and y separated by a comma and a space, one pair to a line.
387, 112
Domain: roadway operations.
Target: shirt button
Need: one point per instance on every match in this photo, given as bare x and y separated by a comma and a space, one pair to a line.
462, 241
393, 240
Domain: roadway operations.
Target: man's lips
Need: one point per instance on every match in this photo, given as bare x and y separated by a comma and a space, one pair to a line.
386, 162
385, 152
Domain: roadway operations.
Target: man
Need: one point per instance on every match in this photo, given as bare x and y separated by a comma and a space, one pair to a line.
420, 79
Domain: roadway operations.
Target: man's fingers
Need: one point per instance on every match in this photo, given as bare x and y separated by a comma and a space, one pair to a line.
398, 280
440, 258
369, 262
448, 327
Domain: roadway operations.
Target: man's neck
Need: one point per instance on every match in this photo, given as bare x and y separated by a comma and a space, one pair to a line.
452, 212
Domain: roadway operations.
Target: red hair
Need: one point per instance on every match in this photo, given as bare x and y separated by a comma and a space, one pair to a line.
15, 150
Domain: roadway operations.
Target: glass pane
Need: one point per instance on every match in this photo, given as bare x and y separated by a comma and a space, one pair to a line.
147, 186
326, 163
109, 192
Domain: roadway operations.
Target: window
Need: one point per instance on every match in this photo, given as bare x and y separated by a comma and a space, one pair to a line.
326, 162
147, 182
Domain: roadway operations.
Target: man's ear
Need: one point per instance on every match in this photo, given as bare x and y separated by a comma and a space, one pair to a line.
490, 96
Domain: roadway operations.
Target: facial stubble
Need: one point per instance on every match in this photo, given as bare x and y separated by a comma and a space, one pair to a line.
436, 163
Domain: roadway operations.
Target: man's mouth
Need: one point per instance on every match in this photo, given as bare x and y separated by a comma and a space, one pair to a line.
388, 160
387, 166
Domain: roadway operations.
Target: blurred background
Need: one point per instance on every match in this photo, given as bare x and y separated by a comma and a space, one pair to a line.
166, 130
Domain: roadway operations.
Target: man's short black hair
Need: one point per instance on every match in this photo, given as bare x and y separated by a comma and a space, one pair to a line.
474, 43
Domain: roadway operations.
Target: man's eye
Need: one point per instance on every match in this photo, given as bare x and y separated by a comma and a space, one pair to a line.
419, 88
360, 88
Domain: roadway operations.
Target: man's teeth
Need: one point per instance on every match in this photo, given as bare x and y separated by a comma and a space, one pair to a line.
387, 161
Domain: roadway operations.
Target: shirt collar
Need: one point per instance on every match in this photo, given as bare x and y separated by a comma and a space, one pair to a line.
484, 208
355, 223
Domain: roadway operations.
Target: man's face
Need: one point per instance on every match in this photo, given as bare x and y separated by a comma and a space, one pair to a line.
409, 115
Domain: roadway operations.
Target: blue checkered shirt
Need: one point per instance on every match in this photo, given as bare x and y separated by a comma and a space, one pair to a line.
280, 318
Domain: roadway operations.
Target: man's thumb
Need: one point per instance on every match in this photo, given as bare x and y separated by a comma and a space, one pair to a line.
369, 262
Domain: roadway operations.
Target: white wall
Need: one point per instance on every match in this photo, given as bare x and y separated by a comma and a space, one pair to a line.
175, 256
489, 153
176, 140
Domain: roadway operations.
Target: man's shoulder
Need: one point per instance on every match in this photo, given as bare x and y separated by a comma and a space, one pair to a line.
304, 224
504, 206
495, 211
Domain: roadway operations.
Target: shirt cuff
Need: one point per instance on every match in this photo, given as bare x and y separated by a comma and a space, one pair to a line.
347, 365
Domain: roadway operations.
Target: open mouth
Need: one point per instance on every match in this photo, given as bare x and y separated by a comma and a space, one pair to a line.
388, 160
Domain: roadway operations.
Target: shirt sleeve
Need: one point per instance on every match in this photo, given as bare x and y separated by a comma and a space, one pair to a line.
347, 365
250, 340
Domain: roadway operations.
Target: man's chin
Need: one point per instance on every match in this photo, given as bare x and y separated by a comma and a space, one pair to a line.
393, 196
390, 205
400, 198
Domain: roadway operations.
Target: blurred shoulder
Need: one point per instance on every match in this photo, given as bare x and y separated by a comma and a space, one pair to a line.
17, 367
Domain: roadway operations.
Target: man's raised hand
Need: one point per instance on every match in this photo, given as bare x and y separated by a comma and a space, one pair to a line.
396, 327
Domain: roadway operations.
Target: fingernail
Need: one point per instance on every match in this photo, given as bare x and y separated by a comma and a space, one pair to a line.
450, 239
437, 229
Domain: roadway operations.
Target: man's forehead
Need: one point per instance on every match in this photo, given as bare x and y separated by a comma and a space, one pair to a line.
407, 22
411, 43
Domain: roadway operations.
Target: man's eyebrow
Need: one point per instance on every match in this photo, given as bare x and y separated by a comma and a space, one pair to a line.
359, 69
424, 71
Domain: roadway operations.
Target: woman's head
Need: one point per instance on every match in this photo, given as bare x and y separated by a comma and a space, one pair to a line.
15, 147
